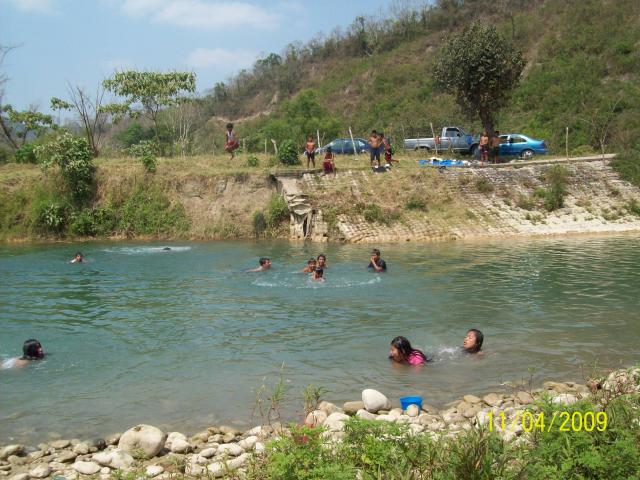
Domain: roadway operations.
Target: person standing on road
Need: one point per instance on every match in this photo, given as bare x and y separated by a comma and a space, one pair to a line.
494, 145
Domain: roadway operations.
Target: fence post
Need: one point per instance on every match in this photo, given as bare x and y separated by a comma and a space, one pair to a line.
275, 146
566, 142
433, 135
355, 151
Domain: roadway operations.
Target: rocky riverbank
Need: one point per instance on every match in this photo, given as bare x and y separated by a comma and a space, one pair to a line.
148, 452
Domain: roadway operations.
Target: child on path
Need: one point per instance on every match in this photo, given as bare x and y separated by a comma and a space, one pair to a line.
402, 352
310, 151
374, 146
231, 143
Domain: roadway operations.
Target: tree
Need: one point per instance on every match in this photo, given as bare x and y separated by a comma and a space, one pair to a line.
181, 119
152, 91
481, 69
93, 119
17, 125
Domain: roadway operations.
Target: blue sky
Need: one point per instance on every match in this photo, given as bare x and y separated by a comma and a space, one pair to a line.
84, 41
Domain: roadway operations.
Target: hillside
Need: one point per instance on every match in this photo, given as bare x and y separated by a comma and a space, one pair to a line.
582, 72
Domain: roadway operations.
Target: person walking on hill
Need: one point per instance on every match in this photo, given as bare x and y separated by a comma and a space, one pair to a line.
231, 144
388, 153
494, 145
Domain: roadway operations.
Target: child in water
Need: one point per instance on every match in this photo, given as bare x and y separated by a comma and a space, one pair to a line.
311, 266
77, 258
402, 352
317, 275
31, 350
265, 264
472, 342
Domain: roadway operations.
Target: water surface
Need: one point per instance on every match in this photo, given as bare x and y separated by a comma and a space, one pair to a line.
184, 339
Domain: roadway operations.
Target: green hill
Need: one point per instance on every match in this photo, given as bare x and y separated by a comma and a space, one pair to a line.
582, 72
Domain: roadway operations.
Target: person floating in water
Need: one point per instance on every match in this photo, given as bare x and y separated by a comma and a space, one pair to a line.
317, 275
311, 266
77, 258
322, 261
472, 342
31, 350
265, 264
402, 352
377, 263
166, 249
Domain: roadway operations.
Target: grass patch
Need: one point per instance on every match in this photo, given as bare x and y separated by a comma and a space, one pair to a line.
484, 185
627, 164
416, 203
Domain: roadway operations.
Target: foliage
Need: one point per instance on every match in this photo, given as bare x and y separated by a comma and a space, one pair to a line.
259, 223
26, 154
18, 125
151, 91
484, 185
75, 160
627, 164
253, 161
288, 153
91, 222
132, 134
50, 214
556, 176
481, 69
5, 155
416, 203
145, 150
277, 211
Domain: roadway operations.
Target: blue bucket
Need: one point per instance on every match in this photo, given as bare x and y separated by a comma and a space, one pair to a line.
406, 401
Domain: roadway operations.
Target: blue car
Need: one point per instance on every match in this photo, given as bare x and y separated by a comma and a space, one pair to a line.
345, 145
519, 145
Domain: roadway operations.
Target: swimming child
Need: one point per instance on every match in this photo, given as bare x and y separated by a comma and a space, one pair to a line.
472, 342
328, 165
402, 352
322, 261
166, 249
231, 143
374, 147
31, 350
311, 266
77, 258
310, 151
317, 275
377, 263
265, 264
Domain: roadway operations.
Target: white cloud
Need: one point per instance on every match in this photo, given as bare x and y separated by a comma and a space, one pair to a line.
221, 58
207, 14
34, 6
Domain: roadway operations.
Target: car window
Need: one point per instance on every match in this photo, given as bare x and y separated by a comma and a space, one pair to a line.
451, 132
337, 145
361, 143
518, 139
503, 138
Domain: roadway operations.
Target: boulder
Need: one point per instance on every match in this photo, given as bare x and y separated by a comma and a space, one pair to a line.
335, 421
113, 439
329, 408
524, 398
492, 399
67, 456
248, 443
471, 399
229, 437
41, 471
180, 446
81, 449
230, 449
209, 452
9, 450
217, 469
117, 459
86, 468
374, 401
154, 470
623, 381
20, 476
565, 399
316, 418
351, 408
59, 444
143, 438
364, 415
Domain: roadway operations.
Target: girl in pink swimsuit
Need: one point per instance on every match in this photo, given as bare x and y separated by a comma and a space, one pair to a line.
402, 352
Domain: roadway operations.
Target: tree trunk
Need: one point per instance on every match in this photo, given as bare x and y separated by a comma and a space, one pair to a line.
487, 120
7, 134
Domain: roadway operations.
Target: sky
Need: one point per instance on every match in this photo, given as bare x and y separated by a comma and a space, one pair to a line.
85, 41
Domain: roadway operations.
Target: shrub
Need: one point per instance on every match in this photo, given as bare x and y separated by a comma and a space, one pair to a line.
146, 151
147, 211
133, 134
288, 153
277, 211
253, 161
415, 203
634, 207
583, 151
259, 223
26, 154
92, 222
557, 178
5, 155
372, 213
51, 216
627, 164
484, 185
75, 160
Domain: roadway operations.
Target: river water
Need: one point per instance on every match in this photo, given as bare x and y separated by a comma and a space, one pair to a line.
184, 339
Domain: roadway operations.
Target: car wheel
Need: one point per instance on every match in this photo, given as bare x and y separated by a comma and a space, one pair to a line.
421, 147
527, 154
474, 152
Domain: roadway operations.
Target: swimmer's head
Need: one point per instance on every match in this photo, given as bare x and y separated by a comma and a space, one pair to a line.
318, 272
78, 257
322, 260
375, 252
400, 349
312, 262
265, 262
473, 341
32, 350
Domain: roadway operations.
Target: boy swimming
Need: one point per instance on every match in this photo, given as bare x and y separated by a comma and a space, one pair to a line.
77, 258
311, 266
377, 263
265, 264
317, 275
31, 350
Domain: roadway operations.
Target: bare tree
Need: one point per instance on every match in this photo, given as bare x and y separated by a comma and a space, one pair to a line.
5, 130
181, 119
599, 118
88, 108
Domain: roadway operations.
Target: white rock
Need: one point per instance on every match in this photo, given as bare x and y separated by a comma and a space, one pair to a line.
60, 444
364, 415
335, 421
230, 449
174, 436
259, 447
217, 469
86, 468
413, 411
180, 446
329, 408
482, 418
209, 452
81, 449
565, 399
248, 443
316, 418
117, 459
238, 461
199, 460
145, 438
41, 471
374, 401
20, 476
154, 470
386, 418
194, 469
258, 431
9, 450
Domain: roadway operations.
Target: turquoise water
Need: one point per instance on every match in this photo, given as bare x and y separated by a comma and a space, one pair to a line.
184, 339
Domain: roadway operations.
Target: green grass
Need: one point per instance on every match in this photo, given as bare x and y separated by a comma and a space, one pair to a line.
627, 164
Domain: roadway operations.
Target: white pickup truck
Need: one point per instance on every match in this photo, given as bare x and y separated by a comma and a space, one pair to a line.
451, 138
